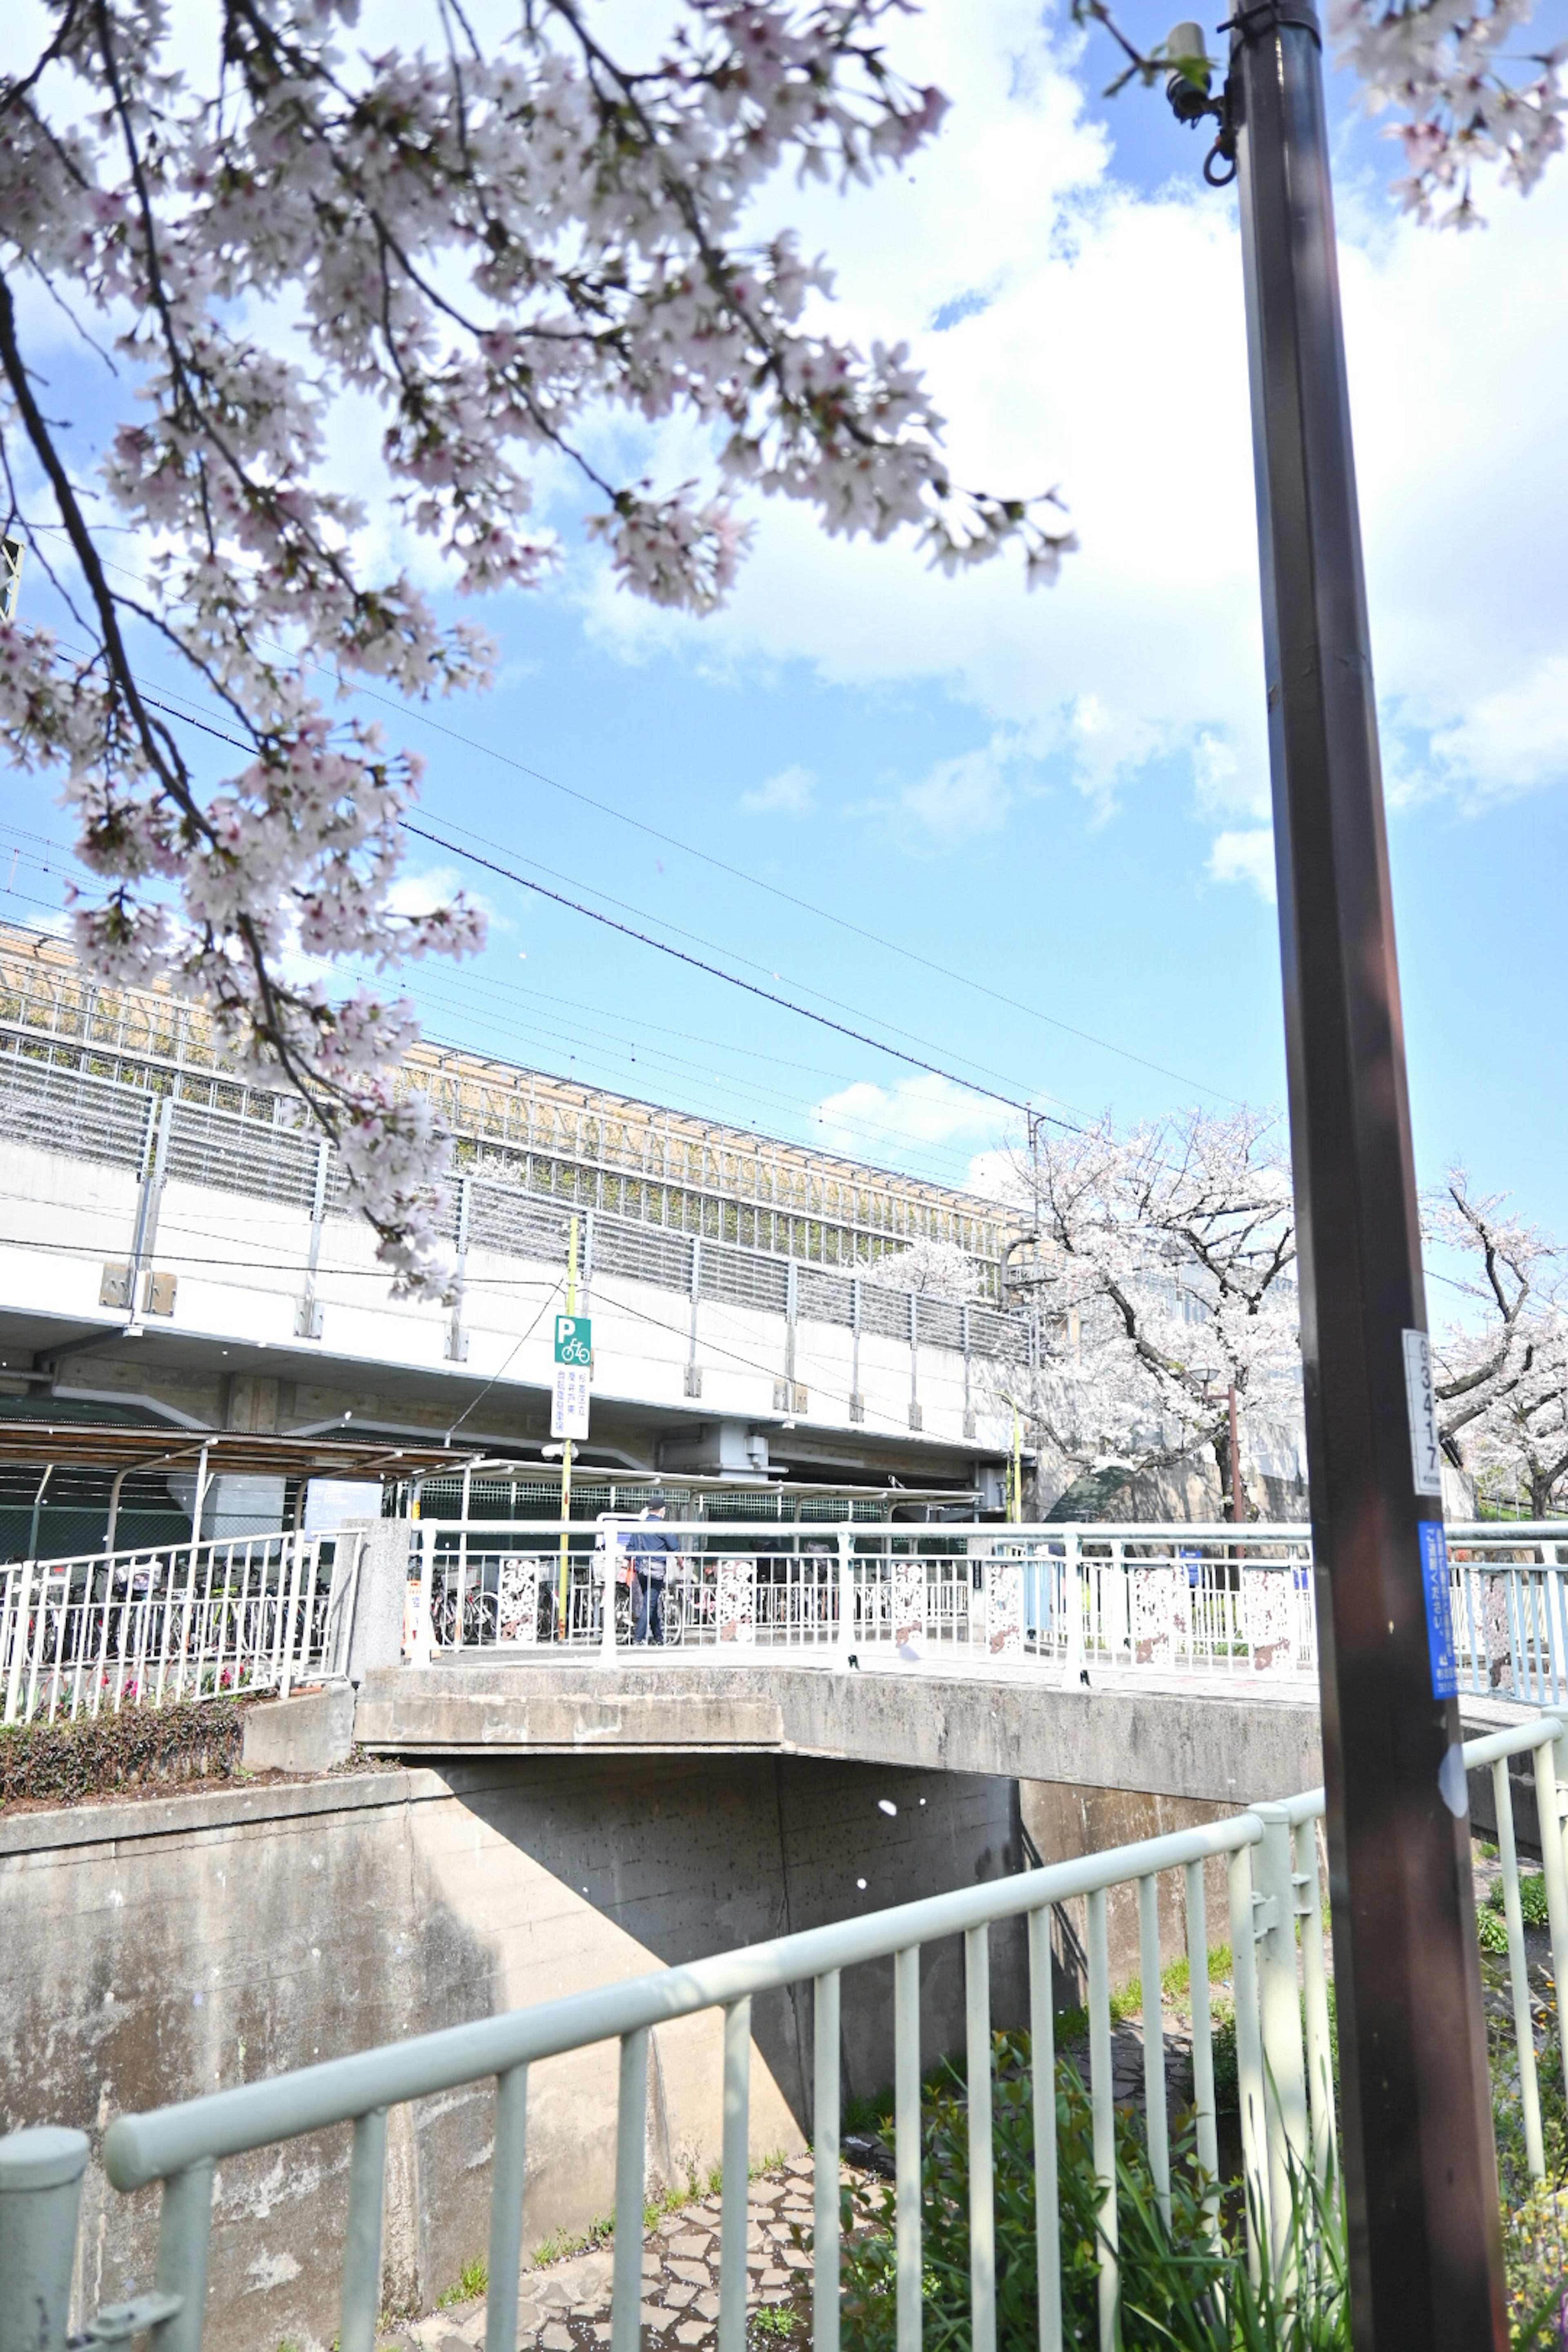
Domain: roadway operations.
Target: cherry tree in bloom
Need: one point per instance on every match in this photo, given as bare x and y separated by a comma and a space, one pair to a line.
935, 1269
481, 236
1163, 1274
1470, 91
1501, 1369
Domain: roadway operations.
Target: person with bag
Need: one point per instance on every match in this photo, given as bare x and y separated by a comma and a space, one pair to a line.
650, 1546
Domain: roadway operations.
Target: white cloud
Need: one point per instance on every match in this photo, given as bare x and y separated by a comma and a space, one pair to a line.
958, 799
922, 1108
1511, 741
1246, 858
789, 793
438, 886
1108, 355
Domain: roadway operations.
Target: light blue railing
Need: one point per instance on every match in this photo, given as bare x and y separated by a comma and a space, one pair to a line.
1279, 1982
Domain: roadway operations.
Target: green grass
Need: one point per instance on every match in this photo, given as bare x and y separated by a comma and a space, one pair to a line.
696, 2185
1180, 2289
471, 2281
774, 2319
1531, 1901
1127, 2000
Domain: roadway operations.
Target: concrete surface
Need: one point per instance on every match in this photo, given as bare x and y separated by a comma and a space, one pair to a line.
1221, 1744
310, 1733
158, 1948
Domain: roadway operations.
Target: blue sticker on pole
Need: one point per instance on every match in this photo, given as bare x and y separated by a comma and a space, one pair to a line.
1439, 1615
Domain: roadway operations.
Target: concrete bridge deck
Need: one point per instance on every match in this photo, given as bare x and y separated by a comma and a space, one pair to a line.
1225, 1742
1222, 1741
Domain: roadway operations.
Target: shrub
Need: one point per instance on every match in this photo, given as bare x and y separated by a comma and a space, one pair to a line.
1531, 1902
71, 1762
1180, 2286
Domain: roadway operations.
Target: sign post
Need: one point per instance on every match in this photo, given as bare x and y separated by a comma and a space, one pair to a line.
569, 1404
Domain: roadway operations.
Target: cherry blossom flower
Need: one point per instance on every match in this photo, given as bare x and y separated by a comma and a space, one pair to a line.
488, 247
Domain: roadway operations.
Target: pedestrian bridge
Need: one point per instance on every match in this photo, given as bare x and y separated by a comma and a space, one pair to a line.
1178, 1659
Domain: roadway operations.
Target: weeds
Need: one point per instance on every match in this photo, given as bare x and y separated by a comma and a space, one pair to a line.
697, 2184
1185, 2286
1531, 1899
472, 2280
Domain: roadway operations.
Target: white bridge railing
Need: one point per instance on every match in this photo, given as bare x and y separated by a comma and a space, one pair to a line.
261, 1613
149, 1626
1208, 1600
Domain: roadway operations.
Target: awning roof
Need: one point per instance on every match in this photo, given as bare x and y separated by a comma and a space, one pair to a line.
85, 1445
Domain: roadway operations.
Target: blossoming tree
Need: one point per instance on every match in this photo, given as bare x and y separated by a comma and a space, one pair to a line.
482, 240
1501, 1369
263, 229
1162, 1277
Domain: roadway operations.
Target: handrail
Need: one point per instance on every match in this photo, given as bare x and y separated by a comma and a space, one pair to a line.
1284, 2057
140, 2148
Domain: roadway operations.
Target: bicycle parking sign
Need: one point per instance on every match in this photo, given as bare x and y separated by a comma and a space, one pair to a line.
573, 1360
573, 1339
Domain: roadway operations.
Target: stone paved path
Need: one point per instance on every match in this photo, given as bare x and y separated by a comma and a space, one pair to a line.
565, 2305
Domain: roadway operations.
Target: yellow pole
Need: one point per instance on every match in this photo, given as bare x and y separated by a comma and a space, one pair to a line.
566, 1447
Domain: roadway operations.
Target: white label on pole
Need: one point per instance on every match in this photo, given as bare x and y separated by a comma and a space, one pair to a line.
1425, 1459
569, 1404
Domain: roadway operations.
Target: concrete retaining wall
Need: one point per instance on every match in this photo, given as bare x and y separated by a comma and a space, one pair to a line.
156, 1949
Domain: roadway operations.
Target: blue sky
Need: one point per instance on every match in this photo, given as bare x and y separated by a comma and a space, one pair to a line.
1062, 796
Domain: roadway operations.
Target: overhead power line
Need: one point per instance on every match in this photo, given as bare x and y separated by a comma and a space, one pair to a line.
733, 980
723, 865
457, 849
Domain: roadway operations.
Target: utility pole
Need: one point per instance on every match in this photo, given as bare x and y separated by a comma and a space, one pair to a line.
1420, 2172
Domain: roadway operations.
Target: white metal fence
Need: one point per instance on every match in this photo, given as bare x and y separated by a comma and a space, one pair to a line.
1278, 1983
146, 1627
1207, 1600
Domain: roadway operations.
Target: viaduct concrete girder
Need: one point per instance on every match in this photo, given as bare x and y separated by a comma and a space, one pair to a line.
1219, 1746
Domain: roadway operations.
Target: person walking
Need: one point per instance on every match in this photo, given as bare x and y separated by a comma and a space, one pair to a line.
650, 1546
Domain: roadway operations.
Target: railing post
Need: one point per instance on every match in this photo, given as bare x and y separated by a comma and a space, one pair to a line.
1248, 2055
846, 1597
40, 2197
1279, 2022
1549, 1763
612, 1570
426, 1533
295, 1543
184, 2232
1072, 1603
1518, 1972
825, 2257
631, 2123
1315, 1998
22, 1589
734, 2278
508, 2172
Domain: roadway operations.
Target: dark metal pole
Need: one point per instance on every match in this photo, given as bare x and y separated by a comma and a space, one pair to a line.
1420, 2174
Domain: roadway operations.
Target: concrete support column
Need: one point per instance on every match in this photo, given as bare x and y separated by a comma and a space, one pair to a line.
693, 1370
856, 1397
457, 1338
915, 1416
308, 1310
